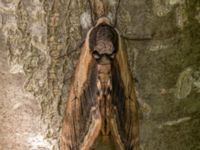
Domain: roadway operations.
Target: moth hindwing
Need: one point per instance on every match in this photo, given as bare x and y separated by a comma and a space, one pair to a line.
102, 99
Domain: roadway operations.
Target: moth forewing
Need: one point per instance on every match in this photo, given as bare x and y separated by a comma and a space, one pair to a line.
69, 139
81, 73
131, 110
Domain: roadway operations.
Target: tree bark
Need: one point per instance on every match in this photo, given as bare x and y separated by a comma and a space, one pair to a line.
38, 53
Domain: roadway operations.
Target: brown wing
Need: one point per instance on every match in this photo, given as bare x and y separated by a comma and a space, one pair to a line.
82, 121
124, 104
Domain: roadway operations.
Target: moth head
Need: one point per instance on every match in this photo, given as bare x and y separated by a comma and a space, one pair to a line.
103, 43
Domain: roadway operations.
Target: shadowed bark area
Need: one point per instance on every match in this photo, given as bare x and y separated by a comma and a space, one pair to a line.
39, 49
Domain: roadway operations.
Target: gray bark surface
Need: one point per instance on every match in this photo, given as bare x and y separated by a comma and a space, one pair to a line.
38, 53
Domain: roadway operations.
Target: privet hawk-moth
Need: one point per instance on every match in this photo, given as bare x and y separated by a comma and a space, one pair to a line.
101, 99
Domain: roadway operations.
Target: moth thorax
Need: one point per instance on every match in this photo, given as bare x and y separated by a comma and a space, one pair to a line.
103, 43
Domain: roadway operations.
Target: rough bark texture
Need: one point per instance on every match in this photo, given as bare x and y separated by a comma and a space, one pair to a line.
38, 53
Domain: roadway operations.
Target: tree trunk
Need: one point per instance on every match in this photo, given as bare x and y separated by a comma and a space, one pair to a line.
38, 53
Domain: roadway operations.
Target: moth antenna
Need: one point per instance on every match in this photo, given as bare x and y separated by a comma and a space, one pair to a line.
147, 38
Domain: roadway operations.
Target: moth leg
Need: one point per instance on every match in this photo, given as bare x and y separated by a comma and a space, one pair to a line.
94, 129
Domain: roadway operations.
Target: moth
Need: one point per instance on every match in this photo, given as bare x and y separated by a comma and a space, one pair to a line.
101, 100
